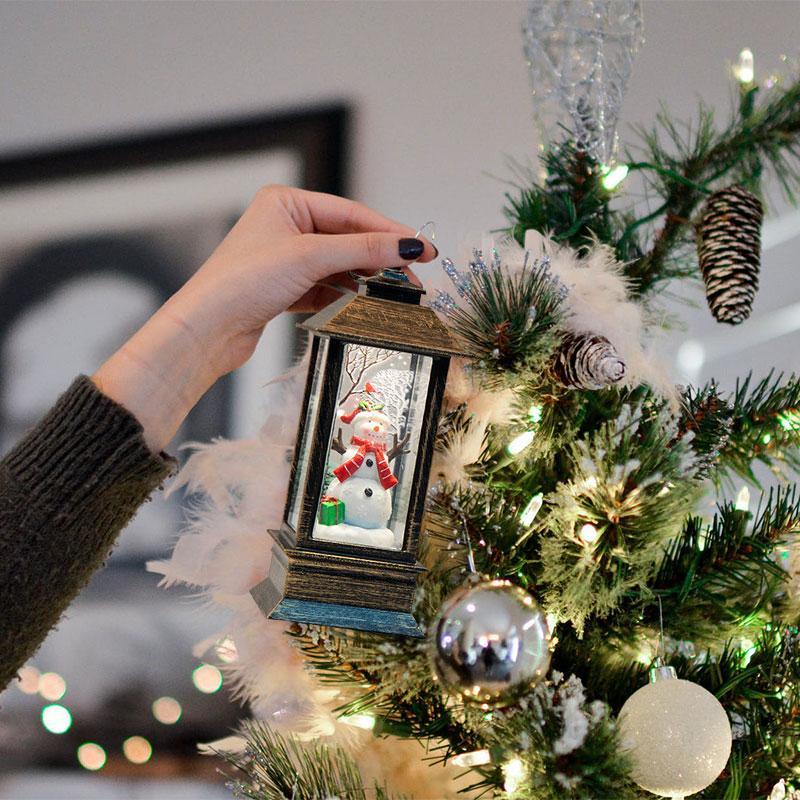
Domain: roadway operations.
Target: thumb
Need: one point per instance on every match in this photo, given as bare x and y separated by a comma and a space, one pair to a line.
328, 254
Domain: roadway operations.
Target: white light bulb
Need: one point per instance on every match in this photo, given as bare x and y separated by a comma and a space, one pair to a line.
513, 772
613, 176
473, 759
518, 444
364, 721
530, 511
743, 499
744, 69
589, 533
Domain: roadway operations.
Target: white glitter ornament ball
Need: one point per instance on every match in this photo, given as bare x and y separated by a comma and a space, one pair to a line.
678, 735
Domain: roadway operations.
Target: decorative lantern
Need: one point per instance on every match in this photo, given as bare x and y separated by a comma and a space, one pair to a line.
346, 553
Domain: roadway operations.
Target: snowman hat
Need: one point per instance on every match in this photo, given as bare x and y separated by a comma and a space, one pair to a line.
366, 403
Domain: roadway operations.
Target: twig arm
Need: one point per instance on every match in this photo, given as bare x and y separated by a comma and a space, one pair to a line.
397, 447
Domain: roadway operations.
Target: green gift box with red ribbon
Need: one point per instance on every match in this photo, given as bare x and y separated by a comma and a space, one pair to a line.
331, 510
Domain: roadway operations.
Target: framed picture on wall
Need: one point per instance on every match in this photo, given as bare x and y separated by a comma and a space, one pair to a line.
93, 238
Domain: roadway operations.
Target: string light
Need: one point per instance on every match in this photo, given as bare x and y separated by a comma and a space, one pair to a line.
56, 718
167, 710
518, 444
91, 756
513, 773
472, 759
767, 438
748, 649
744, 70
589, 533
52, 686
743, 499
137, 750
226, 651
28, 682
790, 420
530, 511
364, 721
613, 176
535, 413
207, 679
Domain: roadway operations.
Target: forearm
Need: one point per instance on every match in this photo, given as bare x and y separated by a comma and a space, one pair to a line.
66, 491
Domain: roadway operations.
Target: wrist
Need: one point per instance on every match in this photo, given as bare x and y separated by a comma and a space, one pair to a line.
159, 374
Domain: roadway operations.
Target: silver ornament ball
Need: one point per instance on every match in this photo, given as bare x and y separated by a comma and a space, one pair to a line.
489, 643
678, 735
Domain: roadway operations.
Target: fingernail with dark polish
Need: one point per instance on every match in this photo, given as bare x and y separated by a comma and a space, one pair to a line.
411, 248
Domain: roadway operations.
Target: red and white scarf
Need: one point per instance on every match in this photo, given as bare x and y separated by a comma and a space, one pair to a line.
346, 469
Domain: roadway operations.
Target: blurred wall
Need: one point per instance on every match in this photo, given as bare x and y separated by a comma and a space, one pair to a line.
440, 89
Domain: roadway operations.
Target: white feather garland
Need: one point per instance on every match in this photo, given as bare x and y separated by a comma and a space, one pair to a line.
238, 491
482, 408
598, 301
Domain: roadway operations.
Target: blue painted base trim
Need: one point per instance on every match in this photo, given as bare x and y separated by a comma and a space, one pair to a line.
341, 616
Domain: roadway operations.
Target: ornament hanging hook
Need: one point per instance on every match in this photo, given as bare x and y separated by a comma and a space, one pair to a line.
423, 229
359, 279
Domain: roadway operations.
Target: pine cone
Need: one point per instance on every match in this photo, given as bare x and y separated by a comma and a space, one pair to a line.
587, 361
729, 249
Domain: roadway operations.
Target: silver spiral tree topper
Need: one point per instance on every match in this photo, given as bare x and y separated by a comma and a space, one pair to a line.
580, 54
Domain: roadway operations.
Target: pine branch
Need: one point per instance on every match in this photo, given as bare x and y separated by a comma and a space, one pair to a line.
696, 159
571, 204
510, 320
567, 747
765, 427
276, 767
631, 479
719, 578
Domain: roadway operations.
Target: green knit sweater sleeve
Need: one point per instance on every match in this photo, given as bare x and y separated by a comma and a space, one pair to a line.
66, 491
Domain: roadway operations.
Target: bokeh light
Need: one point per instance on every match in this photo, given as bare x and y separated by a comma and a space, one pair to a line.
167, 710
91, 756
28, 682
137, 749
207, 679
56, 718
52, 686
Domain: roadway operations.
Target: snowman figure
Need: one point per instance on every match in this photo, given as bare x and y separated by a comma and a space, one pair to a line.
364, 478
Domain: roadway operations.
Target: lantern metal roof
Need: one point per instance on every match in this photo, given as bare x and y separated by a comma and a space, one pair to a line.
386, 313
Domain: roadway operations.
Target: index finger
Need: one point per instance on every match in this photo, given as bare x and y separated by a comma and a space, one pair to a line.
333, 214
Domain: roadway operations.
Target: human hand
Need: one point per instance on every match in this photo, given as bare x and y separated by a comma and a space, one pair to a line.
273, 259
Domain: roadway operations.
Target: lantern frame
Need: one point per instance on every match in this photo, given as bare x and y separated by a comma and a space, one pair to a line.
343, 584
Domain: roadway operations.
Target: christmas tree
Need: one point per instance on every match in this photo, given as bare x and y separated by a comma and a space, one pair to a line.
570, 484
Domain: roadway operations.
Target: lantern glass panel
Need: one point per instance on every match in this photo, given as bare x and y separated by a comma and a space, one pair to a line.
308, 436
372, 450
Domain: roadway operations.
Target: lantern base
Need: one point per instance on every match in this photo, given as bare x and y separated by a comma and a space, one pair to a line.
312, 612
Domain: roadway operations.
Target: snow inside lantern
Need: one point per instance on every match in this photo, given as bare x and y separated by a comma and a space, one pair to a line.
346, 554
